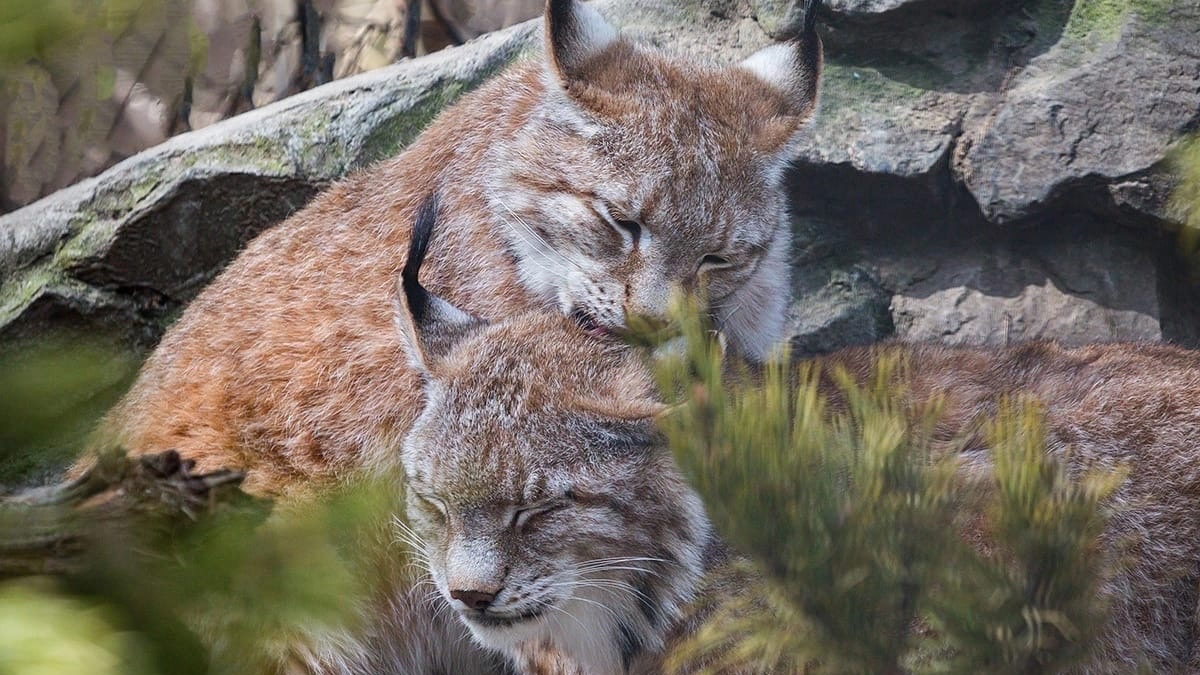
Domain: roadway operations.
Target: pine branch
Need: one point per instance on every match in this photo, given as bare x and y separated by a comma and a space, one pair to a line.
46, 530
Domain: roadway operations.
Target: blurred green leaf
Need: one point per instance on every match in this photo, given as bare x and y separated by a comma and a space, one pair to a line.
855, 515
52, 392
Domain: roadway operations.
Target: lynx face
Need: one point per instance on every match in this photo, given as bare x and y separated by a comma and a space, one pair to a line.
543, 519
547, 509
638, 175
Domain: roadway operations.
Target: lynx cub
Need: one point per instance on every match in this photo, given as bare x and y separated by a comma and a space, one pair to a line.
591, 182
550, 514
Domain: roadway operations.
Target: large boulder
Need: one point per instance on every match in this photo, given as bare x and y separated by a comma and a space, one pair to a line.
978, 172
126, 249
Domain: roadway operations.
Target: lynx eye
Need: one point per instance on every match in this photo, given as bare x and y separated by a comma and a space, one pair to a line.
713, 261
523, 516
432, 504
631, 228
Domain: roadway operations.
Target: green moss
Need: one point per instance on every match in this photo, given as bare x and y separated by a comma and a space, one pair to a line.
23, 287
1101, 20
396, 133
860, 89
265, 153
95, 233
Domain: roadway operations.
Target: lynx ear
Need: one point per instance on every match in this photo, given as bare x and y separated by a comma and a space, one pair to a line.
793, 67
429, 325
574, 34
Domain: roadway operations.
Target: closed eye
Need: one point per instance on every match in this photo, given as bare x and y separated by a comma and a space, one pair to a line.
714, 261
432, 504
630, 230
523, 516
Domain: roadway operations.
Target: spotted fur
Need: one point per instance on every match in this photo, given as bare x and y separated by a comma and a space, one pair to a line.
287, 364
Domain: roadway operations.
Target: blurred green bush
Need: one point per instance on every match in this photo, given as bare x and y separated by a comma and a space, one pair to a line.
860, 525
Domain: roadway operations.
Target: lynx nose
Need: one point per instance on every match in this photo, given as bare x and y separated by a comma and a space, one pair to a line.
477, 600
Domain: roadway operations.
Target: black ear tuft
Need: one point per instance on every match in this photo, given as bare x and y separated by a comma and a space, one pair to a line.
809, 47
810, 18
417, 297
794, 66
430, 326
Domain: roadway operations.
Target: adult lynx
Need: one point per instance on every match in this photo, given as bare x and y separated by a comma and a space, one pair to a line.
591, 182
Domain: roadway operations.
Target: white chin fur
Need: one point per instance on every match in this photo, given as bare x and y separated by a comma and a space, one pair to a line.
505, 638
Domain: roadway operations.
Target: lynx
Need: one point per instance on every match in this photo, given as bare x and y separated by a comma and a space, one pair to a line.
591, 182
551, 518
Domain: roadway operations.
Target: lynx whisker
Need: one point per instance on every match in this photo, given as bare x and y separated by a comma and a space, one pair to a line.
564, 612
526, 231
622, 588
622, 560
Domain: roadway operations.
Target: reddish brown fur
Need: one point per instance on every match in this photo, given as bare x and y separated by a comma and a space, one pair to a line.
288, 364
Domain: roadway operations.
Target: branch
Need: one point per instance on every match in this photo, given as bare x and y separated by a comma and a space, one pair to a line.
46, 530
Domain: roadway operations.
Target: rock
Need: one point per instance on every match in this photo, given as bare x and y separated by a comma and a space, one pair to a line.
133, 244
1100, 108
1076, 289
837, 308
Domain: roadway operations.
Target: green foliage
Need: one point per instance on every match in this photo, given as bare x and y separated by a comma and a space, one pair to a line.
40, 29
1185, 201
32, 29
859, 519
1033, 608
51, 393
237, 592
44, 632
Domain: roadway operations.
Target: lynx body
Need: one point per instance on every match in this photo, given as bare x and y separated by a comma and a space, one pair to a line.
590, 182
548, 513
555, 525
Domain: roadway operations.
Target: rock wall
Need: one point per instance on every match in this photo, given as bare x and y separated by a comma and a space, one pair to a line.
979, 172
119, 76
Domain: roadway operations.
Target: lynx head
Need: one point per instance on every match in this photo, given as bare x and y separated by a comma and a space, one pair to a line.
546, 507
637, 173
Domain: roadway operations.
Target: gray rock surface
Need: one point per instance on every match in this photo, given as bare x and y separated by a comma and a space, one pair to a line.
1073, 287
1100, 108
978, 172
134, 243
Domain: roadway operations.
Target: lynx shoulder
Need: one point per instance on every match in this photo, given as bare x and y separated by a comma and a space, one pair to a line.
590, 182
